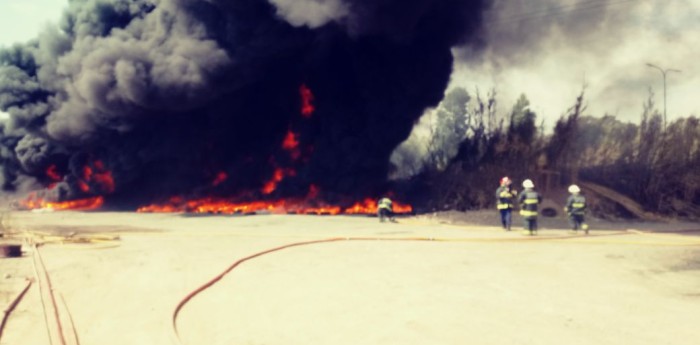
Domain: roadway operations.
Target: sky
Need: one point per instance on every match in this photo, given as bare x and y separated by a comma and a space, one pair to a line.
546, 49
22, 20
550, 49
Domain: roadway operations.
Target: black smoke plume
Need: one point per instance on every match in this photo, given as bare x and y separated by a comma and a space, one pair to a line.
169, 95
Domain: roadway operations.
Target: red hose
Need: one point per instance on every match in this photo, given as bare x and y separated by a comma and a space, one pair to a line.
13, 304
186, 299
213, 281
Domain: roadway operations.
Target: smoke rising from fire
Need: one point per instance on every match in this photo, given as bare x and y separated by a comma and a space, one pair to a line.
312, 13
164, 97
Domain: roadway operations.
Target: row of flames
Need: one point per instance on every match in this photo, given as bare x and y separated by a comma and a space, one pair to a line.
220, 206
34, 202
96, 179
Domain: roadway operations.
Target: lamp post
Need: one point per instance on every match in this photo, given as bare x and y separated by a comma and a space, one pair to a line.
663, 73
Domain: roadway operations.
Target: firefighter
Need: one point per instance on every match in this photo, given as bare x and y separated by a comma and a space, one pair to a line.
528, 200
385, 210
576, 209
505, 196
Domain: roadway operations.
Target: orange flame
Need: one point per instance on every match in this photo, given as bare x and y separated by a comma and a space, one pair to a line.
369, 206
102, 178
87, 173
307, 109
105, 180
83, 186
402, 208
331, 210
306, 206
279, 175
220, 178
216, 206
313, 192
210, 205
271, 185
291, 144
33, 202
53, 174
174, 206
219, 206
160, 209
290, 141
94, 175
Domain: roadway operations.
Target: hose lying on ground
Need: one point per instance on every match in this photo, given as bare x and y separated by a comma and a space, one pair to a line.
13, 305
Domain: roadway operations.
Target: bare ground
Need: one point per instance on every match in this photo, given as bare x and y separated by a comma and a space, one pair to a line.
473, 283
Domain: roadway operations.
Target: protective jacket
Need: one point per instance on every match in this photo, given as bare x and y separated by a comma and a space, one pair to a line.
528, 200
384, 203
576, 204
504, 198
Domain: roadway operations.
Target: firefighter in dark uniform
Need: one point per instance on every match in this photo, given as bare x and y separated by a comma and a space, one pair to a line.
529, 199
576, 209
504, 202
385, 210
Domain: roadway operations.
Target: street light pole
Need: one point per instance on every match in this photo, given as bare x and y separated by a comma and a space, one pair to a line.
663, 73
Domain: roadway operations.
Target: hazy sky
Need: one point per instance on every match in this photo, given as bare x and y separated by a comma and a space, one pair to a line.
21, 20
546, 49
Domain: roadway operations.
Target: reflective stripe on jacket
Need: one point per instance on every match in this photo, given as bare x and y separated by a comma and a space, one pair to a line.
504, 198
384, 203
576, 204
529, 199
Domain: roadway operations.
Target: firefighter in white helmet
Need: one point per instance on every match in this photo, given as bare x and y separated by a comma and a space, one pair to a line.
529, 199
576, 209
504, 202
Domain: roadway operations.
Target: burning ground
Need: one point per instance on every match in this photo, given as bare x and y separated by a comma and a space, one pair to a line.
188, 104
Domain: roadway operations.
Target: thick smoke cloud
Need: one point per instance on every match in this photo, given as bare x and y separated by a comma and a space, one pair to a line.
312, 13
168, 94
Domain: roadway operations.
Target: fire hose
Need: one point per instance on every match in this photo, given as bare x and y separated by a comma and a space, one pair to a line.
13, 305
61, 330
208, 284
58, 319
52, 315
175, 335
181, 304
66, 339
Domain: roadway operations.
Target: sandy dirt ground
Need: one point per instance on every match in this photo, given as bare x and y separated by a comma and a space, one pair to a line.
472, 283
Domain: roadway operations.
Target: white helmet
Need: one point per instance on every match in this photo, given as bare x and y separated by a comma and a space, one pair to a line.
528, 184
574, 189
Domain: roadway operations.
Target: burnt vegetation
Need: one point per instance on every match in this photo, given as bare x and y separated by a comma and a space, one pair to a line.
469, 147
